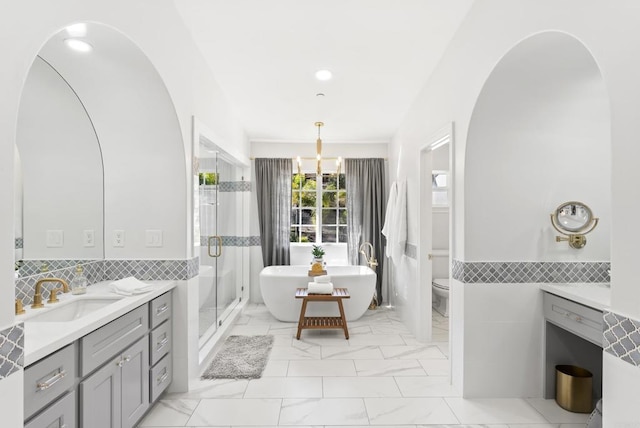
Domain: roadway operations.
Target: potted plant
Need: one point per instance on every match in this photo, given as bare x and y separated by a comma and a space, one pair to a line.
317, 253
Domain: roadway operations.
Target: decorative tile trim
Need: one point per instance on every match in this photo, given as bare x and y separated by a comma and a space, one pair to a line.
234, 186
411, 251
36, 267
151, 270
19, 243
530, 272
11, 350
234, 241
622, 337
105, 270
25, 285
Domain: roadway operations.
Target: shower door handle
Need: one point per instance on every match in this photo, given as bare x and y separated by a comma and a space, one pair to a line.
219, 246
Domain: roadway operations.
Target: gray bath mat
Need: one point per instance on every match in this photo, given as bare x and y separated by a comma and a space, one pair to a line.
241, 357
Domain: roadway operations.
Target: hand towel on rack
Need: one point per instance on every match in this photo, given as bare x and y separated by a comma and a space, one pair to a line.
320, 288
387, 229
130, 286
399, 233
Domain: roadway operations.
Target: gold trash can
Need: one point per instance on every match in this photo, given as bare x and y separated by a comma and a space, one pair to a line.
573, 389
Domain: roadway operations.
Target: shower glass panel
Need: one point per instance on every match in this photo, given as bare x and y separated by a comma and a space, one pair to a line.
220, 254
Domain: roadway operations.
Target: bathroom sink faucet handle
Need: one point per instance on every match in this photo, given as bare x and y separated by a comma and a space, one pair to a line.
19, 307
53, 295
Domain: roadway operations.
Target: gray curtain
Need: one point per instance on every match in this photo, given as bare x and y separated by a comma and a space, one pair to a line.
365, 180
273, 188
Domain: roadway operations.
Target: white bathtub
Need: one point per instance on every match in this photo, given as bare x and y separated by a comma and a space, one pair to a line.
278, 286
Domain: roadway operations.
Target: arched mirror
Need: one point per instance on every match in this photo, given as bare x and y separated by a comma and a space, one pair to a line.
59, 168
574, 220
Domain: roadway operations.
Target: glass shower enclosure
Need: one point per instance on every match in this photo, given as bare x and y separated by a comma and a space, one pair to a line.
220, 225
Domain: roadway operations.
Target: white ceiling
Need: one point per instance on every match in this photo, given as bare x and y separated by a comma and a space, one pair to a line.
264, 54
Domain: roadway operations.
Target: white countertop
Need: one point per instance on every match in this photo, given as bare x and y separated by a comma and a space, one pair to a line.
44, 338
597, 296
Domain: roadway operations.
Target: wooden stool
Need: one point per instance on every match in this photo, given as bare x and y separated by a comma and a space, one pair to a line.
322, 322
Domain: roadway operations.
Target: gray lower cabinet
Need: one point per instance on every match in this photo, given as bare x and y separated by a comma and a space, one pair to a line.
117, 395
61, 414
100, 397
108, 378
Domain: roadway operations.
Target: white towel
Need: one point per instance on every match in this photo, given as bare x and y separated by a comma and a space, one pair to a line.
320, 288
130, 286
387, 229
399, 235
322, 279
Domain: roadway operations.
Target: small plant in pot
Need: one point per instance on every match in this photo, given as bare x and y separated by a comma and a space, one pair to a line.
317, 253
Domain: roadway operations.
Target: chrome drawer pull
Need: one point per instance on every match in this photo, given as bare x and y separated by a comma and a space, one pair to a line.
123, 361
161, 344
41, 386
162, 378
162, 309
574, 317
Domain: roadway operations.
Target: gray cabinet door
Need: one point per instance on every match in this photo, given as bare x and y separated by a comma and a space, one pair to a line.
60, 414
135, 382
100, 397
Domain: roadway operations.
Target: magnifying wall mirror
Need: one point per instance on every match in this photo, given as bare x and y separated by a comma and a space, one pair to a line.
574, 220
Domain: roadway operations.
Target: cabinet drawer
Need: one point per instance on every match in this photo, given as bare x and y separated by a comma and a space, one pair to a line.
48, 379
160, 377
581, 320
160, 309
160, 342
107, 341
60, 414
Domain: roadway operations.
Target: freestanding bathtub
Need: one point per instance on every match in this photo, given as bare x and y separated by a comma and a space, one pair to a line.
278, 286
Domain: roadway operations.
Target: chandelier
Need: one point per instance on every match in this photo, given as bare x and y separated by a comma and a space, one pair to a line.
319, 149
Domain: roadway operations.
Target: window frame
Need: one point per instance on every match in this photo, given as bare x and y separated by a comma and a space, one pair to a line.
319, 209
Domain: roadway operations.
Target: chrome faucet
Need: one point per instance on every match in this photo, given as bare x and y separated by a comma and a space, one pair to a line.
37, 295
371, 261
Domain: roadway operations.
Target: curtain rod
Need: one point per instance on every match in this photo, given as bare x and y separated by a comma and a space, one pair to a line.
325, 158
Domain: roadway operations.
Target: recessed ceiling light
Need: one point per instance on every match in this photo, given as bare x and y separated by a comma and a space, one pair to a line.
77, 30
78, 45
323, 75
319, 94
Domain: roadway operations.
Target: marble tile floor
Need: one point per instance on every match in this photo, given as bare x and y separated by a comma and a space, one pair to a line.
382, 376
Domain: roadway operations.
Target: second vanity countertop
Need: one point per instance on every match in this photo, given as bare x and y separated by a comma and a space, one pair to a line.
44, 338
594, 295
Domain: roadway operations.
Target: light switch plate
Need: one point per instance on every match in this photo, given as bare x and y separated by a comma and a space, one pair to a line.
88, 238
154, 238
118, 238
55, 238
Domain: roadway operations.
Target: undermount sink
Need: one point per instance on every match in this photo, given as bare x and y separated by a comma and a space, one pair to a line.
72, 309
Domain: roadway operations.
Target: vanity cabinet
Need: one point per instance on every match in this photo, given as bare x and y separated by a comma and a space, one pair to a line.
61, 414
117, 395
106, 379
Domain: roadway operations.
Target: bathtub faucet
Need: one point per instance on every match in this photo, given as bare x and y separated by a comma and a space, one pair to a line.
371, 261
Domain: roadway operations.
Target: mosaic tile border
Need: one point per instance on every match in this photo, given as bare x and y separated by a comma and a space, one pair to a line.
234, 186
622, 337
19, 243
234, 241
228, 186
530, 272
105, 270
151, 270
411, 250
25, 285
11, 350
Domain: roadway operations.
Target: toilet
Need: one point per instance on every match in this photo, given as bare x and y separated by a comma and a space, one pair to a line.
440, 301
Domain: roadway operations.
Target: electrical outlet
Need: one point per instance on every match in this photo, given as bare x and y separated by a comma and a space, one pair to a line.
154, 238
118, 238
55, 238
88, 238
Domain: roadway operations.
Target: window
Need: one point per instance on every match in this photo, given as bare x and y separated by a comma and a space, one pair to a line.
318, 208
440, 188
